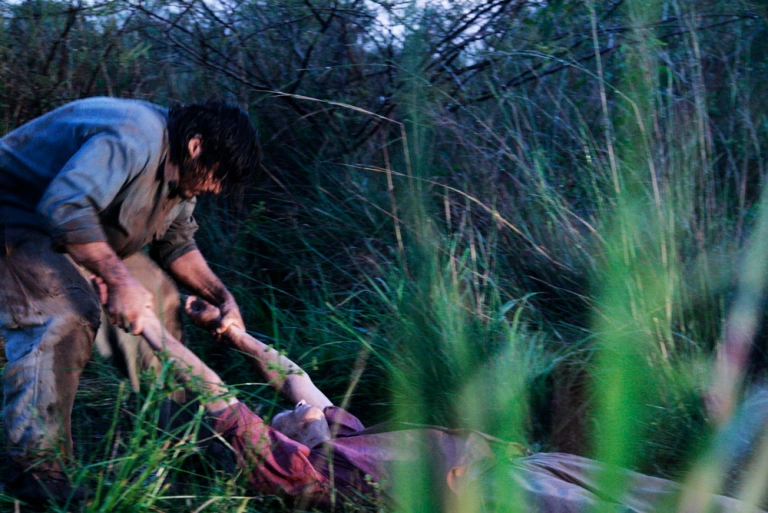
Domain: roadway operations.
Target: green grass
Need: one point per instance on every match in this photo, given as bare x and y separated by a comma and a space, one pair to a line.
554, 267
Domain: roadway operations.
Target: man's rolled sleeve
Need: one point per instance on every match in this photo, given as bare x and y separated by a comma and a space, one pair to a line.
179, 239
88, 183
79, 230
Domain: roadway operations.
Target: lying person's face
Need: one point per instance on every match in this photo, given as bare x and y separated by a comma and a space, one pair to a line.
305, 424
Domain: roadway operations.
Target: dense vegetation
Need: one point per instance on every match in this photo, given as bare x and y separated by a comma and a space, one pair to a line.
521, 216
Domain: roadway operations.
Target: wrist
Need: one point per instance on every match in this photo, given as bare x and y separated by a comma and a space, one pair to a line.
233, 338
118, 277
224, 297
100, 259
215, 296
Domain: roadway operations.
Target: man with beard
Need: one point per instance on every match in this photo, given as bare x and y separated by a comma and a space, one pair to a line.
84, 189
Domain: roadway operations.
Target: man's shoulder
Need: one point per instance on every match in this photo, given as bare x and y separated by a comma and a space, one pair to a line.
137, 125
78, 121
109, 103
117, 112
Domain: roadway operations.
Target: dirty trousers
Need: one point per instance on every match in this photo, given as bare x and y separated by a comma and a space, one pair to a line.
49, 320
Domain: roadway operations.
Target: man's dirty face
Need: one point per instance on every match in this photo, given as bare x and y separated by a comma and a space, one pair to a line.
196, 180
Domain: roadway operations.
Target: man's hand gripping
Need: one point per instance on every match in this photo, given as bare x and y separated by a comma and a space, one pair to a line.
127, 302
206, 316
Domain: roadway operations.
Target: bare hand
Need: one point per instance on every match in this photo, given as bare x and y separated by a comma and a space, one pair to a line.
192, 270
128, 303
211, 318
202, 313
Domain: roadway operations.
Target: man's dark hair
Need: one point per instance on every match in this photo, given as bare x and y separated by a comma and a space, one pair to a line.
228, 138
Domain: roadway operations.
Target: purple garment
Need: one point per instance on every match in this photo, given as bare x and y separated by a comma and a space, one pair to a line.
356, 457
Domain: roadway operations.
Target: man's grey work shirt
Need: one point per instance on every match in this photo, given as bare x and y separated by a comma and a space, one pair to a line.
94, 171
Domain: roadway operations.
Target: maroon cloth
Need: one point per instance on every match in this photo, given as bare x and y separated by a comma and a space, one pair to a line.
356, 463
274, 463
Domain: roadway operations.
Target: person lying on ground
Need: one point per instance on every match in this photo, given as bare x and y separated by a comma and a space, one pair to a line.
320, 454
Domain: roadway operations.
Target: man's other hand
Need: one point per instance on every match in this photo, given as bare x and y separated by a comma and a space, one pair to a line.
128, 305
191, 270
128, 302
211, 318
202, 313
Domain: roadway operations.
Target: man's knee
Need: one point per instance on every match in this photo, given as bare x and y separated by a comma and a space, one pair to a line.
28, 394
63, 343
44, 301
40, 381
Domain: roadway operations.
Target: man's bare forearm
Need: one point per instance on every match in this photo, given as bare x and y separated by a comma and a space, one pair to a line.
101, 260
192, 271
285, 376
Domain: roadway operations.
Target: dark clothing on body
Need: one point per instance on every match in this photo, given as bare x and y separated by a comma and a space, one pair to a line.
356, 463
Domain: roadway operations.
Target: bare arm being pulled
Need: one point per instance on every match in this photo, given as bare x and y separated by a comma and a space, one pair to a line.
188, 367
285, 376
